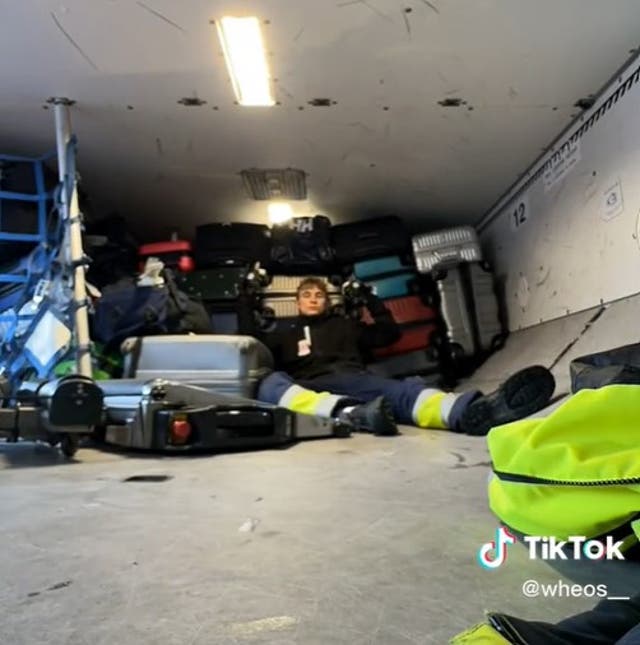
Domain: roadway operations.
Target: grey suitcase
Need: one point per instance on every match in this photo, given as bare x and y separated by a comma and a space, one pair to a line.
142, 414
445, 248
225, 364
469, 308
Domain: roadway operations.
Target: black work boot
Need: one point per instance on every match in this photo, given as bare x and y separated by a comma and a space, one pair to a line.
375, 416
522, 394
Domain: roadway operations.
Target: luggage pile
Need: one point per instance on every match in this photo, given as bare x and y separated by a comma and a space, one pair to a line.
435, 285
378, 253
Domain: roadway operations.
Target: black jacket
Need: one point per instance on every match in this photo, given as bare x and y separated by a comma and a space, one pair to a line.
337, 343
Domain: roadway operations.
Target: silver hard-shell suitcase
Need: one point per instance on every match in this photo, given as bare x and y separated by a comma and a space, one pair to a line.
211, 381
445, 248
469, 308
224, 364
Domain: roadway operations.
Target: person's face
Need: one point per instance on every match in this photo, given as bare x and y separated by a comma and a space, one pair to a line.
311, 301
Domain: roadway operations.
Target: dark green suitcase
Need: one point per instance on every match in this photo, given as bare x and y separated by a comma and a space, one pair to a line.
223, 283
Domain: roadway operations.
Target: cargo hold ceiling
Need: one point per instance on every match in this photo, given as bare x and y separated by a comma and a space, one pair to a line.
427, 109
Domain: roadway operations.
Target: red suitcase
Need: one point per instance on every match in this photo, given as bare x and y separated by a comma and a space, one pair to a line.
404, 310
412, 338
176, 254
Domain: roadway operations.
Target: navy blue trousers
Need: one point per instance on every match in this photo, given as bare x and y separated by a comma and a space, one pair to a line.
358, 387
610, 622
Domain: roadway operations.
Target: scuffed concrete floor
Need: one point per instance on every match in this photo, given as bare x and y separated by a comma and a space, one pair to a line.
361, 540
355, 541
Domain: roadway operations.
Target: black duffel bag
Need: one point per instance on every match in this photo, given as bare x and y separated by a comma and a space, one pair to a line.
618, 365
126, 309
302, 245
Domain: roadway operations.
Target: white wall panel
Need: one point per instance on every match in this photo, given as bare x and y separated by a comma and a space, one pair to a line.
566, 237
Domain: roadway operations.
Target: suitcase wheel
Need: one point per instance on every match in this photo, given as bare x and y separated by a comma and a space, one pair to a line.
497, 342
342, 431
69, 445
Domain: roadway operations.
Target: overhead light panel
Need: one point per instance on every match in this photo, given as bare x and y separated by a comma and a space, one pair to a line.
244, 53
279, 212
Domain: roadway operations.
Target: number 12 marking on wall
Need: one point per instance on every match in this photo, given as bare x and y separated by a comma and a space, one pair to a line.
519, 213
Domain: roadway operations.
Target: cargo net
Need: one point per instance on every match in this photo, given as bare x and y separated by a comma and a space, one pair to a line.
36, 296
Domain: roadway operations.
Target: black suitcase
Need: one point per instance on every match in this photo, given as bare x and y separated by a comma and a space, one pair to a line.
224, 322
370, 238
302, 245
219, 244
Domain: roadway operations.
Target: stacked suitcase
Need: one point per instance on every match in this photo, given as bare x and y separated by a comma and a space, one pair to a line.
224, 256
370, 239
301, 246
378, 252
218, 289
175, 254
219, 244
398, 286
467, 299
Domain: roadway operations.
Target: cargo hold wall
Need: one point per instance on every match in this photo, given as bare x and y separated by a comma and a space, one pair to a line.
566, 236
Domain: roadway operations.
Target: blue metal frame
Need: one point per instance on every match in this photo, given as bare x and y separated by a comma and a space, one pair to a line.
43, 198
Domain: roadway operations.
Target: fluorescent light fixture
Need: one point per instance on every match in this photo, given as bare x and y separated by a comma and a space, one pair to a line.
243, 49
279, 212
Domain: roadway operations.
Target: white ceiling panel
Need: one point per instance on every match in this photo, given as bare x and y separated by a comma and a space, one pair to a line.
386, 145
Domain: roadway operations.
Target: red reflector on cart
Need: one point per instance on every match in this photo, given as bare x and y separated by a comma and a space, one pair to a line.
180, 431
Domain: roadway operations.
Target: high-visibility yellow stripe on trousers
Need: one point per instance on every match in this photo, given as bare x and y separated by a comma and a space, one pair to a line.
299, 399
433, 407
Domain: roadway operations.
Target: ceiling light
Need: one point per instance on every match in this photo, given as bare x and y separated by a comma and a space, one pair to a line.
279, 212
246, 60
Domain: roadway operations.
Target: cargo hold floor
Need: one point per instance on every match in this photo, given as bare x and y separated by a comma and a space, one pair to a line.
364, 540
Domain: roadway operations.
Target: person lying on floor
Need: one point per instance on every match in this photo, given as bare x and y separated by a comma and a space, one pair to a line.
321, 370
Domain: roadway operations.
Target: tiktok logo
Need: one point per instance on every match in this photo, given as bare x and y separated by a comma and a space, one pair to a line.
492, 554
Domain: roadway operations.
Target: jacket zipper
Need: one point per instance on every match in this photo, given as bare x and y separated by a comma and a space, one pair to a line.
502, 625
527, 479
